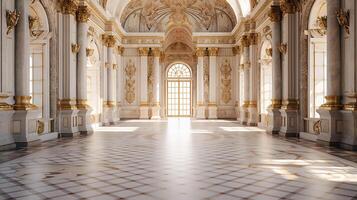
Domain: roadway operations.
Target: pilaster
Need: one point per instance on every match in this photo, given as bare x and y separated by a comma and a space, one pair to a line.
200, 107
244, 114
156, 109
253, 57
144, 105
212, 105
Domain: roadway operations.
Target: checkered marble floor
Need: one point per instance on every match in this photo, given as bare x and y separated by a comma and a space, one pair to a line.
178, 159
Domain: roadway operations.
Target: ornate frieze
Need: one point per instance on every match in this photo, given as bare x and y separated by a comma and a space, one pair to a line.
226, 82
69, 7
108, 40
130, 72
275, 13
83, 14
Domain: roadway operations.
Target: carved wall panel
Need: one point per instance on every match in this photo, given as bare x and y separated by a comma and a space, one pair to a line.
130, 72
226, 82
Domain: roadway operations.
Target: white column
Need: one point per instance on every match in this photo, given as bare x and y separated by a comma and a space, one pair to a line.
330, 113
84, 123
236, 53
212, 105
253, 90
157, 84
274, 113
26, 114
144, 107
200, 107
110, 103
119, 80
67, 62
289, 50
244, 108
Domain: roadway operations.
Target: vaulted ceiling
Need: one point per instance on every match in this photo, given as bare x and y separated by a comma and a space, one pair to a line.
203, 15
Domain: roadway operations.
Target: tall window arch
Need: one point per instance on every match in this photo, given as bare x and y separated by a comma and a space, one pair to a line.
93, 80
317, 57
39, 60
266, 75
179, 94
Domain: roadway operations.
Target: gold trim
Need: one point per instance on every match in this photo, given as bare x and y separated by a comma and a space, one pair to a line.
290, 104
24, 103
3, 105
275, 104
82, 104
332, 103
245, 104
67, 104
109, 104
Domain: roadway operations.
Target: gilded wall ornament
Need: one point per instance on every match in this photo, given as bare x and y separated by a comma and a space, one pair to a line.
109, 40
12, 17
35, 27
343, 18
89, 52
317, 127
130, 72
269, 51
226, 82
321, 22
40, 127
75, 48
283, 48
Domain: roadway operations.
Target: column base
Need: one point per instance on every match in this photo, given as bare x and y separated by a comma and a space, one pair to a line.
25, 127
156, 112
201, 112
330, 126
212, 112
243, 115
6, 135
274, 121
118, 113
144, 112
253, 116
84, 122
68, 123
289, 124
109, 116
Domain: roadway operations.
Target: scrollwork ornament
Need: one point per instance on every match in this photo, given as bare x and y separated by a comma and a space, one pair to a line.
130, 71
226, 81
12, 18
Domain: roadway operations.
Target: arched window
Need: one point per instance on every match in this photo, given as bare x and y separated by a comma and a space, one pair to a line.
317, 57
93, 79
265, 77
179, 71
179, 94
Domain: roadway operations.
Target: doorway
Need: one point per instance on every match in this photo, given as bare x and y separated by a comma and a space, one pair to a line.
179, 91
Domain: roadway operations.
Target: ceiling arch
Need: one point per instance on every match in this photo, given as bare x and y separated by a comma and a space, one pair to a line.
241, 8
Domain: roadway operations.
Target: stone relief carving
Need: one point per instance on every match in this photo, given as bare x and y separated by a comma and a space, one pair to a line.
201, 15
226, 82
130, 71
206, 82
35, 26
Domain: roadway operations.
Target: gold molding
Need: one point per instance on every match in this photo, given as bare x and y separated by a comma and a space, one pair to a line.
3, 105
24, 103
67, 104
109, 104
275, 104
332, 103
82, 104
290, 104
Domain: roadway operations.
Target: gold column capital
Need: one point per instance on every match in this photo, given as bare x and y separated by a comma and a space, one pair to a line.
236, 50
156, 52
275, 13
83, 14
120, 50
200, 52
108, 40
143, 51
253, 38
289, 6
69, 7
213, 51
245, 41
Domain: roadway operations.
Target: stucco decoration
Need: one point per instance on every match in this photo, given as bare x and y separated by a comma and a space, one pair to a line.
202, 15
226, 82
130, 71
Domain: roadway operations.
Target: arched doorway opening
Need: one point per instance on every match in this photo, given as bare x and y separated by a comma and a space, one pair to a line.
179, 91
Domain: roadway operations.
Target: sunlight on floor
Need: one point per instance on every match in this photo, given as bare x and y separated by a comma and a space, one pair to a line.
242, 129
116, 129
